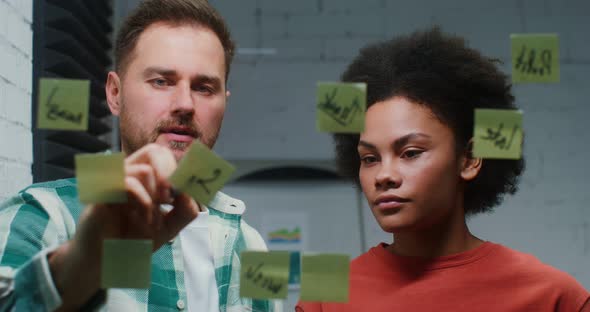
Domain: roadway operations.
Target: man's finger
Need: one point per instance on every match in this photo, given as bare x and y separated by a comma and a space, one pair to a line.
139, 198
146, 175
159, 157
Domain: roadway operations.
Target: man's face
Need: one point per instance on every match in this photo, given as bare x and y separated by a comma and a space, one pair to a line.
172, 90
409, 171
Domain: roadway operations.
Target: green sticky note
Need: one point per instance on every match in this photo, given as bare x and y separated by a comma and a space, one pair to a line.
126, 263
201, 173
325, 277
497, 134
101, 178
63, 104
341, 107
535, 58
264, 275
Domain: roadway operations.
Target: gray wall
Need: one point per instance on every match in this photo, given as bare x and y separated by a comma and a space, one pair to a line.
270, 118
271, 110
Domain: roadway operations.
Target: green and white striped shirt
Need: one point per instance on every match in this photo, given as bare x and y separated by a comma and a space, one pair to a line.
43, 216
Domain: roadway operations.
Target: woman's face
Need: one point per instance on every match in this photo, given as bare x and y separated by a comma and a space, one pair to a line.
410, 172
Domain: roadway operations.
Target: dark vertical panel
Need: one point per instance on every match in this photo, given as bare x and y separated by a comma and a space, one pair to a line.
71, 39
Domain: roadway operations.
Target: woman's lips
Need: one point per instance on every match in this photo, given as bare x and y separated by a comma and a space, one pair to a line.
386, 202
387, 205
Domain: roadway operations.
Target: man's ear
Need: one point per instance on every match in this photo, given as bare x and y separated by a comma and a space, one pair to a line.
227, 94
470, 166
113, 92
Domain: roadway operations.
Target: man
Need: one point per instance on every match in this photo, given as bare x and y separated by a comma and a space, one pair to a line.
168, 88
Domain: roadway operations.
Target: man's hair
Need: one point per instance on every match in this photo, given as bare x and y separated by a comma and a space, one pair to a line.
174, 13
438, 71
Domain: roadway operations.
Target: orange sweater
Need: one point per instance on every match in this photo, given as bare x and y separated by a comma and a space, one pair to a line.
490, 277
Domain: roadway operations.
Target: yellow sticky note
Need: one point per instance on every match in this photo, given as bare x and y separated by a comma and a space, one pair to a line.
126, 263
201, 173
325, 277
535, 58
497, 134
63, 104
101, 178
264, 275
341, 107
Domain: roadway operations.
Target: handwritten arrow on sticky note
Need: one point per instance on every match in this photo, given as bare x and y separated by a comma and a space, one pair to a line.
63, 104
264, 275
497, 134
201, 173
341, 107
535, 58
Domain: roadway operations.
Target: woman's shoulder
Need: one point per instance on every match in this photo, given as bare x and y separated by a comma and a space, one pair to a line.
524, 262
528, 267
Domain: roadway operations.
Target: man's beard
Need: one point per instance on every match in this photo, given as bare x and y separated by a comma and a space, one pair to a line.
132, 140
178, 145
184, 121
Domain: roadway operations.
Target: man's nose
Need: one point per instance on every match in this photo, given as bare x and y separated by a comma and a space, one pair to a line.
183, 101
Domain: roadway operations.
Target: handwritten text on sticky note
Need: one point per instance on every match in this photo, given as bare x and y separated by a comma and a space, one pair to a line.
325, 277
201, 173
341, 107
498, 134
63, 104
535, 57
126, 263
101, 178
264, 275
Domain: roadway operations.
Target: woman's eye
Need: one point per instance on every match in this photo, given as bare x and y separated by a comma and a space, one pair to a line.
368, 159
412, 153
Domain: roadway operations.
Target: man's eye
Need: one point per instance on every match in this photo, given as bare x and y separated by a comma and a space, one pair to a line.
412, 153
160, 82
204, 89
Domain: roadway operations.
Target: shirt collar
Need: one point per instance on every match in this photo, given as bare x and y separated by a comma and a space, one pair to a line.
221, 202
227, 204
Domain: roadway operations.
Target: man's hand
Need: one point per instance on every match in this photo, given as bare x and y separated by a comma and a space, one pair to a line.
75, 266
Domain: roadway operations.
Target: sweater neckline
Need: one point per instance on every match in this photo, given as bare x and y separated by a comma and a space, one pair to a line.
442, 262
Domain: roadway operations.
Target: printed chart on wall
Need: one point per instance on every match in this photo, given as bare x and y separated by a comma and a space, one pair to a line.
287, 231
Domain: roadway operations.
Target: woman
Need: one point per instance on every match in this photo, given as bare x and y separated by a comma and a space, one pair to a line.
414, 164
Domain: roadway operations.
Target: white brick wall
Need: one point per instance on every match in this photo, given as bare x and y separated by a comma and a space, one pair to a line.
16, 71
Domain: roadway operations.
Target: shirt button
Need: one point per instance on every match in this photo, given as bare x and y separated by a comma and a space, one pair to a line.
180, 304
